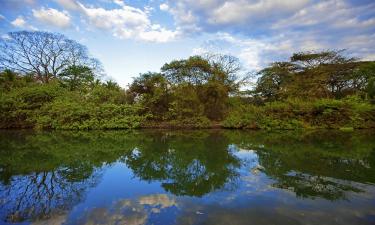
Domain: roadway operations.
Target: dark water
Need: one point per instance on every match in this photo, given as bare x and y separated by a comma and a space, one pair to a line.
187, 177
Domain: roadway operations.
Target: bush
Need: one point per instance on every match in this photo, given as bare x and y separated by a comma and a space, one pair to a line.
297, 114
69, 114
244, 116
18, 107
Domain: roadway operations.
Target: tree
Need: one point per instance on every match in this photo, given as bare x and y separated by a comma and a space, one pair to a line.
210, 78
309, 75
153, 91
9, 79
309, 60
195, 70
43, 54
74, 77
364, 78
325, 73
272, 81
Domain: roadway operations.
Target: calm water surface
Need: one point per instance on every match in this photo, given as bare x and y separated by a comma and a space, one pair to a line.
187, 177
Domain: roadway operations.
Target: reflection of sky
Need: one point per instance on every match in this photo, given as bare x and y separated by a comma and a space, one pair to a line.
244, 208
121, 197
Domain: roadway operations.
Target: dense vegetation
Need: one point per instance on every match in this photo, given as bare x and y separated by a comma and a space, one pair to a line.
49, 81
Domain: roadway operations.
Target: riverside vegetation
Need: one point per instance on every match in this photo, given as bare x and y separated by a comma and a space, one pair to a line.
48, 81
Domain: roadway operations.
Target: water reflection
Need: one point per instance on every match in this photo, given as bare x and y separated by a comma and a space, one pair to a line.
129, 211
317, 164
46, 176
193, 164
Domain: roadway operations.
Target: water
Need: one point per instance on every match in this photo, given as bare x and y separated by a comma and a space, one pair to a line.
187, 177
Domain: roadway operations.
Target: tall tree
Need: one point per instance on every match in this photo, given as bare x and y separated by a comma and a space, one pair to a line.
43, 54
212, 78
152, 90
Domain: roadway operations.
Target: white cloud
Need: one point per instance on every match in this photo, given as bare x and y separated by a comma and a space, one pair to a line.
213, 14
240, 11
164, 7
128, 22
19, 22
52, 17
68, 4
331, 14
119, 2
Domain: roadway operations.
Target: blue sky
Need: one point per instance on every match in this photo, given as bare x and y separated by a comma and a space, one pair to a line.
131, 37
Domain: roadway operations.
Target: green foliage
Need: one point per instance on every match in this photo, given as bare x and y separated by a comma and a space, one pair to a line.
19, 106
54, 106
77, 77
313, 75
209, 81
297, 114
107, 93
186, 103
72, 113
152, 92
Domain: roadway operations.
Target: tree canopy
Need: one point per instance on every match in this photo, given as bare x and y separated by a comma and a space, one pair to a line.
327, 74
45, 55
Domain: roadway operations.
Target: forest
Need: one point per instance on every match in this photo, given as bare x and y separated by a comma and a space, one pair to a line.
49, 81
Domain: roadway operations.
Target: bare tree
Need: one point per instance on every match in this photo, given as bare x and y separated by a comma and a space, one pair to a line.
43, 54
228, 64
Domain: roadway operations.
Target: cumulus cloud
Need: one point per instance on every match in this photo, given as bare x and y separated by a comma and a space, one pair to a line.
214, 15
19, 22
330, 14
52, 17
127, 22
164, 7
241, 11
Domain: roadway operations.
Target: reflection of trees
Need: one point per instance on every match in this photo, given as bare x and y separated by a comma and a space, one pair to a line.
38, 195
191, 163
321, 164
46, 173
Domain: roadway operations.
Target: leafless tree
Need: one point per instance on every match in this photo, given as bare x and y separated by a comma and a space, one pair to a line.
42, 54
229, 64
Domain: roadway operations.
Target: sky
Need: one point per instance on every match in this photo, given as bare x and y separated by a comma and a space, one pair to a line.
133, 37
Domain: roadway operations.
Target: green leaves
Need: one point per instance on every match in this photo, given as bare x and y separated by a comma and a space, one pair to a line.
296, 114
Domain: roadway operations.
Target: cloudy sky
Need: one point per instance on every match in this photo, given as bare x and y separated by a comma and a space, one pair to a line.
130, 37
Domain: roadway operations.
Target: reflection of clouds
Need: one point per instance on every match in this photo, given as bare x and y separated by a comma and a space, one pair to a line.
127, 211
129, 216
162, 200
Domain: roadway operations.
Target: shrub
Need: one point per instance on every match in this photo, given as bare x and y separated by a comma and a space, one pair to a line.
297, 114
71, 113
